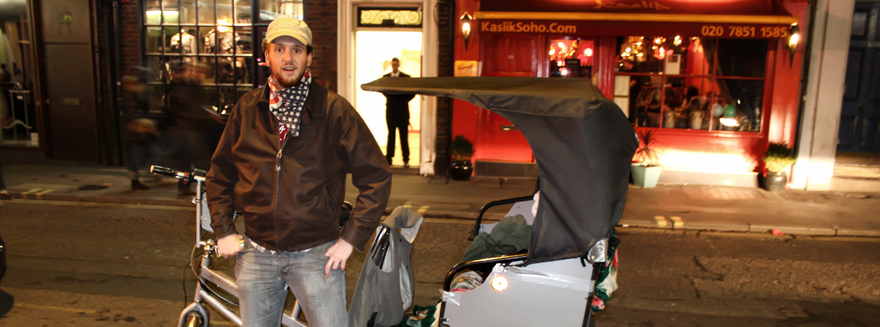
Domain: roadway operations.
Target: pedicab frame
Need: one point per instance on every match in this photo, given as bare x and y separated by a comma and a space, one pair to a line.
583, 146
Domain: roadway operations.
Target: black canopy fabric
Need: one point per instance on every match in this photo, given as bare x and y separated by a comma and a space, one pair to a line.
582, 143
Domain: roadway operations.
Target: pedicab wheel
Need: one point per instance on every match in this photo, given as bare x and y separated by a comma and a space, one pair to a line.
195, 319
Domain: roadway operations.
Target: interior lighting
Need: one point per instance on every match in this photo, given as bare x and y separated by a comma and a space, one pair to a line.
588, 52
499, 283
221, 26
156, 16
466, 28
677, 40
564, 71
729, 122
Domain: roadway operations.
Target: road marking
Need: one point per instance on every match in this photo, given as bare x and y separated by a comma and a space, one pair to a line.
421, 210
661, 221
104, 204
676, 222
54, 308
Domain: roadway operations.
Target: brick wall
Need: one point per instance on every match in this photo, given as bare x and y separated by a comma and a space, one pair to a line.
129, 29
321, 17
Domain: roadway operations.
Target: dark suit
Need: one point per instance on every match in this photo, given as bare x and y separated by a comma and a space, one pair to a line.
397, 117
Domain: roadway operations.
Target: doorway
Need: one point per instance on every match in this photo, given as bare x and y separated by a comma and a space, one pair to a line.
859, 129
374, 51
858, 148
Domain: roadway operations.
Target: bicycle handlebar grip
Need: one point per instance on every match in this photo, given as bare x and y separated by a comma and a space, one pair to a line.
159, 170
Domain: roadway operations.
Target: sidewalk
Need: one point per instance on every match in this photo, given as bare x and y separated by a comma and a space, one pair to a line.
673, 207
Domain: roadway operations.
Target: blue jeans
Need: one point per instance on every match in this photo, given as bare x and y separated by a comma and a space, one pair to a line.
263, 279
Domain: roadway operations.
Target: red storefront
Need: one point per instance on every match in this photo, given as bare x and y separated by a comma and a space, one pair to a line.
714, 80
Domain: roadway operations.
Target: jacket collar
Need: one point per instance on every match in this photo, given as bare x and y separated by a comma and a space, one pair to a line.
315, 102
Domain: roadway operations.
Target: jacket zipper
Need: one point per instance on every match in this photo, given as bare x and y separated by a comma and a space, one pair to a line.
278, 158
278, 186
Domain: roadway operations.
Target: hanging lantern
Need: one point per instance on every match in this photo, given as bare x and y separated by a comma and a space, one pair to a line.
794, 37
466, 28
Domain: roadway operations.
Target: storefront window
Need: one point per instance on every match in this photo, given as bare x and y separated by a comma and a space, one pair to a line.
19, 123
271, 9
208, 42
571, 58
691, 83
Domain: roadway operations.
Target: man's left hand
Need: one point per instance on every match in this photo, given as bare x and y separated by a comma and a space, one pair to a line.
338, 254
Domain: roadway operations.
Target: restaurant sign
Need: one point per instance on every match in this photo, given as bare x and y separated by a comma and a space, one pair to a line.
614, 28
686, 7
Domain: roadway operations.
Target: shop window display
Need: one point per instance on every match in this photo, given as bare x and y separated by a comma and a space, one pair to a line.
208, 42
691, 83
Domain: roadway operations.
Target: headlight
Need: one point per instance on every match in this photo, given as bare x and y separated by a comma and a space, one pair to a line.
499, 283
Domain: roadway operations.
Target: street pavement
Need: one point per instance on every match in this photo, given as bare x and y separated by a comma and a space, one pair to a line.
790, 213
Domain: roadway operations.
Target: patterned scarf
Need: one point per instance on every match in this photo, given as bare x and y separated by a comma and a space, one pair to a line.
287, 103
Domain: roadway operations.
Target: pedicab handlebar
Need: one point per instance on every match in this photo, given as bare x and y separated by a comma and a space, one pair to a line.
187, 176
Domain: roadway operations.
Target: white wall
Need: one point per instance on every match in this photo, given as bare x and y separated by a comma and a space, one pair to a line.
824, 97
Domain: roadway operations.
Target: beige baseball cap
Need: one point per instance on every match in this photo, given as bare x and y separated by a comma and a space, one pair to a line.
295, 28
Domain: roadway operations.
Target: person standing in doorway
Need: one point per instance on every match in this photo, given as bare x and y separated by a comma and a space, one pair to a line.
282, 164
397, 116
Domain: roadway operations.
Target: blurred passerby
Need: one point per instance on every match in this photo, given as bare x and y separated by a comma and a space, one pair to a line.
4, 195
192, 123
5, 78
141, 133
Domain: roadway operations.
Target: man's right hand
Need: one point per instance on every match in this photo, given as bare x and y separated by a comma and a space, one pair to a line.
229, 245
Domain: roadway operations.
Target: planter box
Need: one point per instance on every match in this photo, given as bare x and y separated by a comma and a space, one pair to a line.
645, 176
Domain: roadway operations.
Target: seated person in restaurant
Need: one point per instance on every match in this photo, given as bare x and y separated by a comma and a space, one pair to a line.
652, 109
693, 111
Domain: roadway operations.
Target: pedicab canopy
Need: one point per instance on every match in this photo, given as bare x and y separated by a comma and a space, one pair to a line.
582, 142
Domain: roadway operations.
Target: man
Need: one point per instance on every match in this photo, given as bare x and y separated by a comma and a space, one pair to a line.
191, 123
281, 163
397, 116
141, 134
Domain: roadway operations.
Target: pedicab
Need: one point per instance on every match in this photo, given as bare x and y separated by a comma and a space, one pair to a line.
583, 146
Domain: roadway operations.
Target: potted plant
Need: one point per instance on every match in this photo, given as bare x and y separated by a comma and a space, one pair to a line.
777, 159
461, 150
646, 169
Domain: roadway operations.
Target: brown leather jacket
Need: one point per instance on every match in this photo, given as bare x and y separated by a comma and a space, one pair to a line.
290, 200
